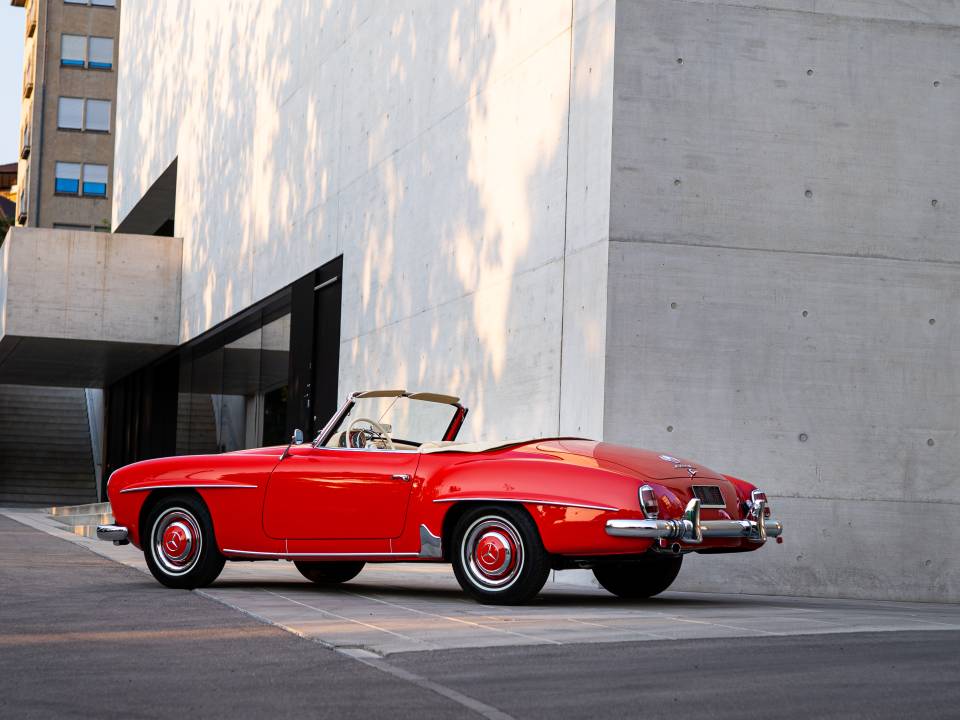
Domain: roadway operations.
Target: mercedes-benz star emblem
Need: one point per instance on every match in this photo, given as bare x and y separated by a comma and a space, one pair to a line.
489, 553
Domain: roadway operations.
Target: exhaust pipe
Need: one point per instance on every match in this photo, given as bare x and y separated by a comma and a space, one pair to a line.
668, 548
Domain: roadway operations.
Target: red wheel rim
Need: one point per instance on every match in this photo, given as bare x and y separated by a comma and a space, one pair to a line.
177, 541
492, 553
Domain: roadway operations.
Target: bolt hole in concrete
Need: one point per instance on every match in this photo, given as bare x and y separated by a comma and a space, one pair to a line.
930, 442
803, 437
933, 321
679, 61
804, 313
809, 71
676, 181
934, 203
808, 193
669, 428
673, 306
936, 83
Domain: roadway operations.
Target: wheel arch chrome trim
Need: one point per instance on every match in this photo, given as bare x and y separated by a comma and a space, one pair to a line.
528, 501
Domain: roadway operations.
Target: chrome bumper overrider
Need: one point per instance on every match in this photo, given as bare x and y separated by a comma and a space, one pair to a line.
691, 529
117, 533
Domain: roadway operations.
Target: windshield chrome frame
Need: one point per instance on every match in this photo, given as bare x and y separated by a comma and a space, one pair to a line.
323, 437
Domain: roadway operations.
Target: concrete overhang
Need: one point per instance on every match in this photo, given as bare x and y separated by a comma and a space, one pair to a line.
83, 309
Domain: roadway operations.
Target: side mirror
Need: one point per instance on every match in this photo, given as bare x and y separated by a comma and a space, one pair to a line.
295, 439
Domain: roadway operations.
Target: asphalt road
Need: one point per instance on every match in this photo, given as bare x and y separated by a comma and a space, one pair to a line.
81, 636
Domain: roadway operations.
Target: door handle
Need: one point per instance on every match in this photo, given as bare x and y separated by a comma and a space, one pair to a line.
402, 478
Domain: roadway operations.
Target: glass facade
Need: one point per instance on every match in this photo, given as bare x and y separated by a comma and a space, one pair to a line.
233, 395
248, 382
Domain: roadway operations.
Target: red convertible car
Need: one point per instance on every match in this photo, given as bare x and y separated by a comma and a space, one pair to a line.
386, 481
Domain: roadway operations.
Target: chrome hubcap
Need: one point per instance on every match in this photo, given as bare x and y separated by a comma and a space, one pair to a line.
176, 541
492, 553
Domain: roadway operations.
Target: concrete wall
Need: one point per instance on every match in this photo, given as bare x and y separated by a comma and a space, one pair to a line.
72, 285
784, 277
456, 153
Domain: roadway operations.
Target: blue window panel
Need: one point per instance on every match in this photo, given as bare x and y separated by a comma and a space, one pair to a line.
101, 65
71, 187
71, 63
95, 188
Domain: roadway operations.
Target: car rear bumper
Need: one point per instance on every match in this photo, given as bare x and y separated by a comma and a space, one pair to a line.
117, 533
691, 529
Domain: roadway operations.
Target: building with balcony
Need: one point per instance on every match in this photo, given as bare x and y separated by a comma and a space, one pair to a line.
720, 230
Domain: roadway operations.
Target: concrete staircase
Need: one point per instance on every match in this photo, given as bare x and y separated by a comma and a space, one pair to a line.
83, 519
45, 455
196, 425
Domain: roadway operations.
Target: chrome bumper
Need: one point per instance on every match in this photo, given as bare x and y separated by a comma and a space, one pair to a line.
117, 533
691, 529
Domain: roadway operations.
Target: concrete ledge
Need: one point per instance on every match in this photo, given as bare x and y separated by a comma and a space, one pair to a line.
83, 308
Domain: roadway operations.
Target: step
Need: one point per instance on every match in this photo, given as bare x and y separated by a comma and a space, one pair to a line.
88, 509
42, 500
88, 531
93, 519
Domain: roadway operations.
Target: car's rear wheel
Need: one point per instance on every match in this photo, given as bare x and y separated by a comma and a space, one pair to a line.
329, 573
639, 579
179, 545
498, 557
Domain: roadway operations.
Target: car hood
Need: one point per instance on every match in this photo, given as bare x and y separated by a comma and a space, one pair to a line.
648, 463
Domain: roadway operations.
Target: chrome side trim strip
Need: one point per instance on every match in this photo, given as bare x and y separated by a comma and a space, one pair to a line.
532, 501
429, 544
283, 556
211, 486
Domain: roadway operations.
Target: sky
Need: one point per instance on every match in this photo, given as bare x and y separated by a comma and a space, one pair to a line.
11, 60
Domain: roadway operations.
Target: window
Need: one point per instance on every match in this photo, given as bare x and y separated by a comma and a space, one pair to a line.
87, 228
101, 53
73, 50
95, 180
68, 178
100, 3
97, 116
70, 113
79, 114
79, 51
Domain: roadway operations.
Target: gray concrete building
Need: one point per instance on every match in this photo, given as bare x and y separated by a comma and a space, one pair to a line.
63, 181
724, 230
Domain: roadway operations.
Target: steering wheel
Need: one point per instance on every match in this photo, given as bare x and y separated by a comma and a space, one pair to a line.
377, 431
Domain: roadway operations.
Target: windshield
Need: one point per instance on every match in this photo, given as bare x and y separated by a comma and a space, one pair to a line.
397, 423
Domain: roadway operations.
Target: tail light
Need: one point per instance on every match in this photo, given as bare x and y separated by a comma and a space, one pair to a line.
648, 501
760, 495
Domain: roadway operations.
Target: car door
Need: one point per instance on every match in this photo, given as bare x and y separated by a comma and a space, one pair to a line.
339, 493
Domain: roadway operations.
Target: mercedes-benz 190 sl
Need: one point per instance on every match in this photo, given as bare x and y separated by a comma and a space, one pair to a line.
386, 481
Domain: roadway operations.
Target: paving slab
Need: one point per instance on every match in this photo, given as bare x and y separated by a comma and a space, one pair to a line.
410, 607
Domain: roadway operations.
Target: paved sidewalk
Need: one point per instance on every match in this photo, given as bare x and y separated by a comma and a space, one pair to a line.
83, 636
415, 607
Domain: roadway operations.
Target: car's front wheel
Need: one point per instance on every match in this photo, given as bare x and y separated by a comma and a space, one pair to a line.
179, 545
641, 578
498, 557
329, 573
